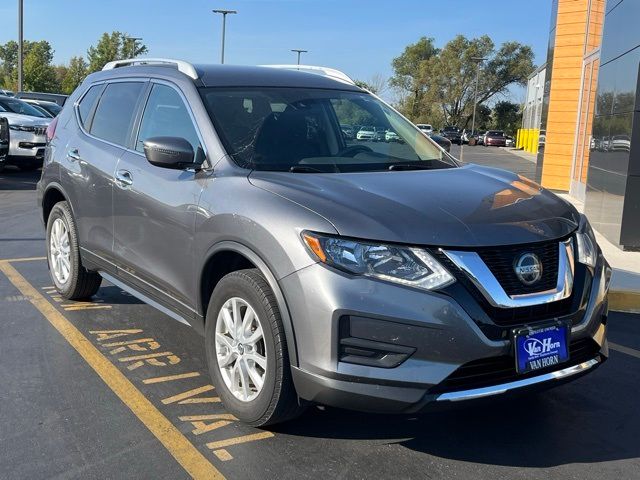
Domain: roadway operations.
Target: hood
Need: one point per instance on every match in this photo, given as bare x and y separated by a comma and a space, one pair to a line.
469, 206
18, 119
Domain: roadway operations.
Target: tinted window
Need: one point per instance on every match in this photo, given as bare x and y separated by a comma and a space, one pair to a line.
18, 106
166, 116
87, 102
53, 108
114, 115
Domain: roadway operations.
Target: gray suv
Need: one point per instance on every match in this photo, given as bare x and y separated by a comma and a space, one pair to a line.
368, 275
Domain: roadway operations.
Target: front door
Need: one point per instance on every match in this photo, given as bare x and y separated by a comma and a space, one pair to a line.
155, 208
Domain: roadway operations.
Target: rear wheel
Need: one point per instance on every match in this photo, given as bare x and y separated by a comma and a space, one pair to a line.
70, 278
247, 350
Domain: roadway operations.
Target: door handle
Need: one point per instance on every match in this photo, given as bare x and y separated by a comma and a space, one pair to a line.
123, 178
73, 154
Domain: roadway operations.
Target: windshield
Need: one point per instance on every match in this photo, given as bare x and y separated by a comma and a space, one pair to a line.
18, 106
299, 130
53, 108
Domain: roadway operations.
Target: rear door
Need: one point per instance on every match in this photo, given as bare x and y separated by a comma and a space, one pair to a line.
155, 208
104, 115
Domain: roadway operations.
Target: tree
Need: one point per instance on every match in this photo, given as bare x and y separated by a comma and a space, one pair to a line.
507, 116
76, 72
376, 84
113, 46
406, 73
445, 79
39, 73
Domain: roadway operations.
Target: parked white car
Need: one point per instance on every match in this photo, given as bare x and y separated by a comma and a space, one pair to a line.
425, 127
366, 133
27, 140
391, 136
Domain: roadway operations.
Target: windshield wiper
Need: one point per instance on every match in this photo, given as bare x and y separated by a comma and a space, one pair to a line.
305, 169
410, 166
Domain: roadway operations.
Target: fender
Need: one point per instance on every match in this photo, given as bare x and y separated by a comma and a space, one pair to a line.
60, 188
273, 284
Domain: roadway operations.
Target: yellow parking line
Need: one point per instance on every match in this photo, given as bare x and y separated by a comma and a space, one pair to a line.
26, 259
628, 350
175, 442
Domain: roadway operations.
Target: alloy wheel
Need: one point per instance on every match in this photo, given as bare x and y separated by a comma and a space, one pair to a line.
60, 251
240, 349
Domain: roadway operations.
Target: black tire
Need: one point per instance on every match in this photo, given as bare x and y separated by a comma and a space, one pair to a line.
81, 283
277, 401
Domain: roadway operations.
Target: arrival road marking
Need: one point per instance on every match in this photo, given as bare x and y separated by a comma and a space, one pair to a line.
185, 453
186, 397
170, 378
627, 350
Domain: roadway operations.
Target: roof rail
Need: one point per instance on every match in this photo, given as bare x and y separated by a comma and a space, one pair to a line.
324, 71
182, 66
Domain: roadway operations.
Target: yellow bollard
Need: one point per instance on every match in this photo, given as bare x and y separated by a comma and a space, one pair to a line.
525, 140
518, 137
531, 139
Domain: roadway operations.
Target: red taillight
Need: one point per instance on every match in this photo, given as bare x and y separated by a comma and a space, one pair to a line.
51, 129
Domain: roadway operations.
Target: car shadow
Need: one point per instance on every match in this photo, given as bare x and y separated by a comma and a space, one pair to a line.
12, 178
591, 420
116, 296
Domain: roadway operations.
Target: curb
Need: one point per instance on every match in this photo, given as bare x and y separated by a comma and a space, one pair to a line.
624, 301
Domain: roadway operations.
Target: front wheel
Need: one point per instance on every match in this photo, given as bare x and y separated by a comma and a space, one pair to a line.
71, 279
247, 350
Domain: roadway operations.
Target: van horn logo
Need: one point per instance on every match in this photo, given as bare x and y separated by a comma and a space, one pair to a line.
535, 347
528, 268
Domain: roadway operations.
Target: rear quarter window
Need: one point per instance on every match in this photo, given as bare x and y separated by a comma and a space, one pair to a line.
86, 104
114, 116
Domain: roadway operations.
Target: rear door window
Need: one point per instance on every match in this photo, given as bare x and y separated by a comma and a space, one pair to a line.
115, 113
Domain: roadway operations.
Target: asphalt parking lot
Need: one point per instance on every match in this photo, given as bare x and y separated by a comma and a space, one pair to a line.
114, 389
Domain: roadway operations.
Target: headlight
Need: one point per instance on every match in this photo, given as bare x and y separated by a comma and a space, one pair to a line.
21, 128
405, 265
586, 243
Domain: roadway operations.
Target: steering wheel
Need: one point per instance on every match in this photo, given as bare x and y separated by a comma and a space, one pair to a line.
353, 150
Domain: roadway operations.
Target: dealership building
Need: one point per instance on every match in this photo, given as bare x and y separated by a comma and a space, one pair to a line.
586, 108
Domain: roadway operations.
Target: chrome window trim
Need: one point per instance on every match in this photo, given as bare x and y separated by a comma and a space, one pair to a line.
76, 106
505, 387
480, 275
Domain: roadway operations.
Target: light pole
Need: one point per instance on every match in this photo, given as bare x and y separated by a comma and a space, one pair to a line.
224, 25
20, 42
135, 44
299, 51
478, 61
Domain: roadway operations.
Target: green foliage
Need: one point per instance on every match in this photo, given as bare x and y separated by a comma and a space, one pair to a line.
406, 78
507, 116
39, 73
113, 46
440, 84
75, 74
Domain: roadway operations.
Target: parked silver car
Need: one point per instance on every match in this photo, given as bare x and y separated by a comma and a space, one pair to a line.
374, 276
27, 128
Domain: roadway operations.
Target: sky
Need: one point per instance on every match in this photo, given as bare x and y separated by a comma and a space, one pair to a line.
359, 37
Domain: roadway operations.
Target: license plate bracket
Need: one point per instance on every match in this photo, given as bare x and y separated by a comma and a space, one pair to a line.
542, 346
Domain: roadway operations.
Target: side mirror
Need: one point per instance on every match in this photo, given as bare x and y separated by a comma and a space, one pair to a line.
169, 152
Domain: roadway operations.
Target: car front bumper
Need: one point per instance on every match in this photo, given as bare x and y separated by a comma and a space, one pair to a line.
442, 335
26, 147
